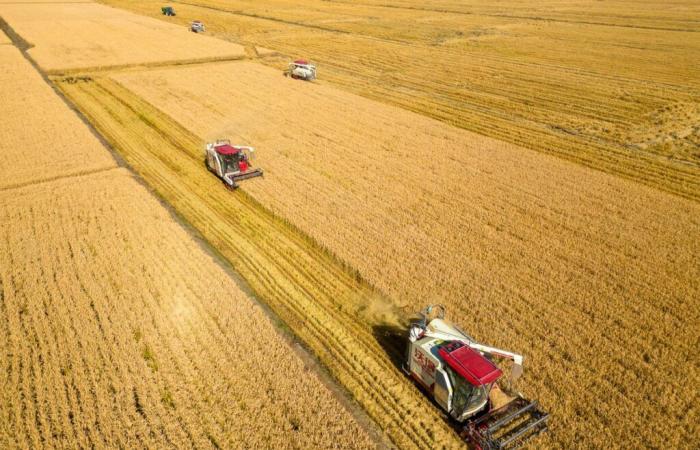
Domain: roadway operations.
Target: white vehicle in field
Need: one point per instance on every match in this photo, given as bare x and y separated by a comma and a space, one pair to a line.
301, 70
197, 27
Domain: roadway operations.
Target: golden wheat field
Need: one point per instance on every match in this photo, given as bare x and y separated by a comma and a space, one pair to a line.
4, 39
520, 246
324, 303
119, 331
534, 166
610, 85
29, 150
69, 36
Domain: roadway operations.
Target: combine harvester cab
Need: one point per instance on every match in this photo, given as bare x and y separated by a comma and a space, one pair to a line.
301, 70
231, 163
462, 379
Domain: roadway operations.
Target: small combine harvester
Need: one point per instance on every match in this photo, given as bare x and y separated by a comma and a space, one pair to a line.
462, 379
167, 11
231, 163
197, 26
301, 70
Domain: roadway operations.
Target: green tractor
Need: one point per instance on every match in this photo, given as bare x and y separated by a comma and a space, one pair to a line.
167, 11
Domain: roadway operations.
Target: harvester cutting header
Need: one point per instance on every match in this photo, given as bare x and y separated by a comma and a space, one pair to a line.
462, 378
231, 163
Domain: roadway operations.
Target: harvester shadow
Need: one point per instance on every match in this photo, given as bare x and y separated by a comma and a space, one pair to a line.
393, 340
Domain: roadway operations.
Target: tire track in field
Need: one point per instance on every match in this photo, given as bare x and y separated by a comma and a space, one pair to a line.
79, 173
319, 299
166, 63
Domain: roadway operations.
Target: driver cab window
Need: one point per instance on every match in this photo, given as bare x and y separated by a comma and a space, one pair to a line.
465, 395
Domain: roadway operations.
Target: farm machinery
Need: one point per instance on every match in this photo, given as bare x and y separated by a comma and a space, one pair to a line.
167, 11
231, 163
197, 26
461, 377
301, 70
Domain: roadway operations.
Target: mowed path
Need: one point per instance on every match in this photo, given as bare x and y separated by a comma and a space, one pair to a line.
118, 329
530, 253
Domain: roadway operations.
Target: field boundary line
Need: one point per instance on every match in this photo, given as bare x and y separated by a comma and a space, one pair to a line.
144, 66
77, 174
15, 39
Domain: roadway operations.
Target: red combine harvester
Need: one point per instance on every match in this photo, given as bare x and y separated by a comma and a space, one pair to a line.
463, 380
230, 163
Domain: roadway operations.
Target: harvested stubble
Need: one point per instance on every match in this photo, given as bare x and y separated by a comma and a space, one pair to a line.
327, 306
609, 85
87, 35
119, 331
4, 39
40, 137
596, 279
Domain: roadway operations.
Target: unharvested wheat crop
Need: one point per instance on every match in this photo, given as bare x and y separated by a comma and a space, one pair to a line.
119, 331
40, 137
69, 36
589, 275
610, 85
